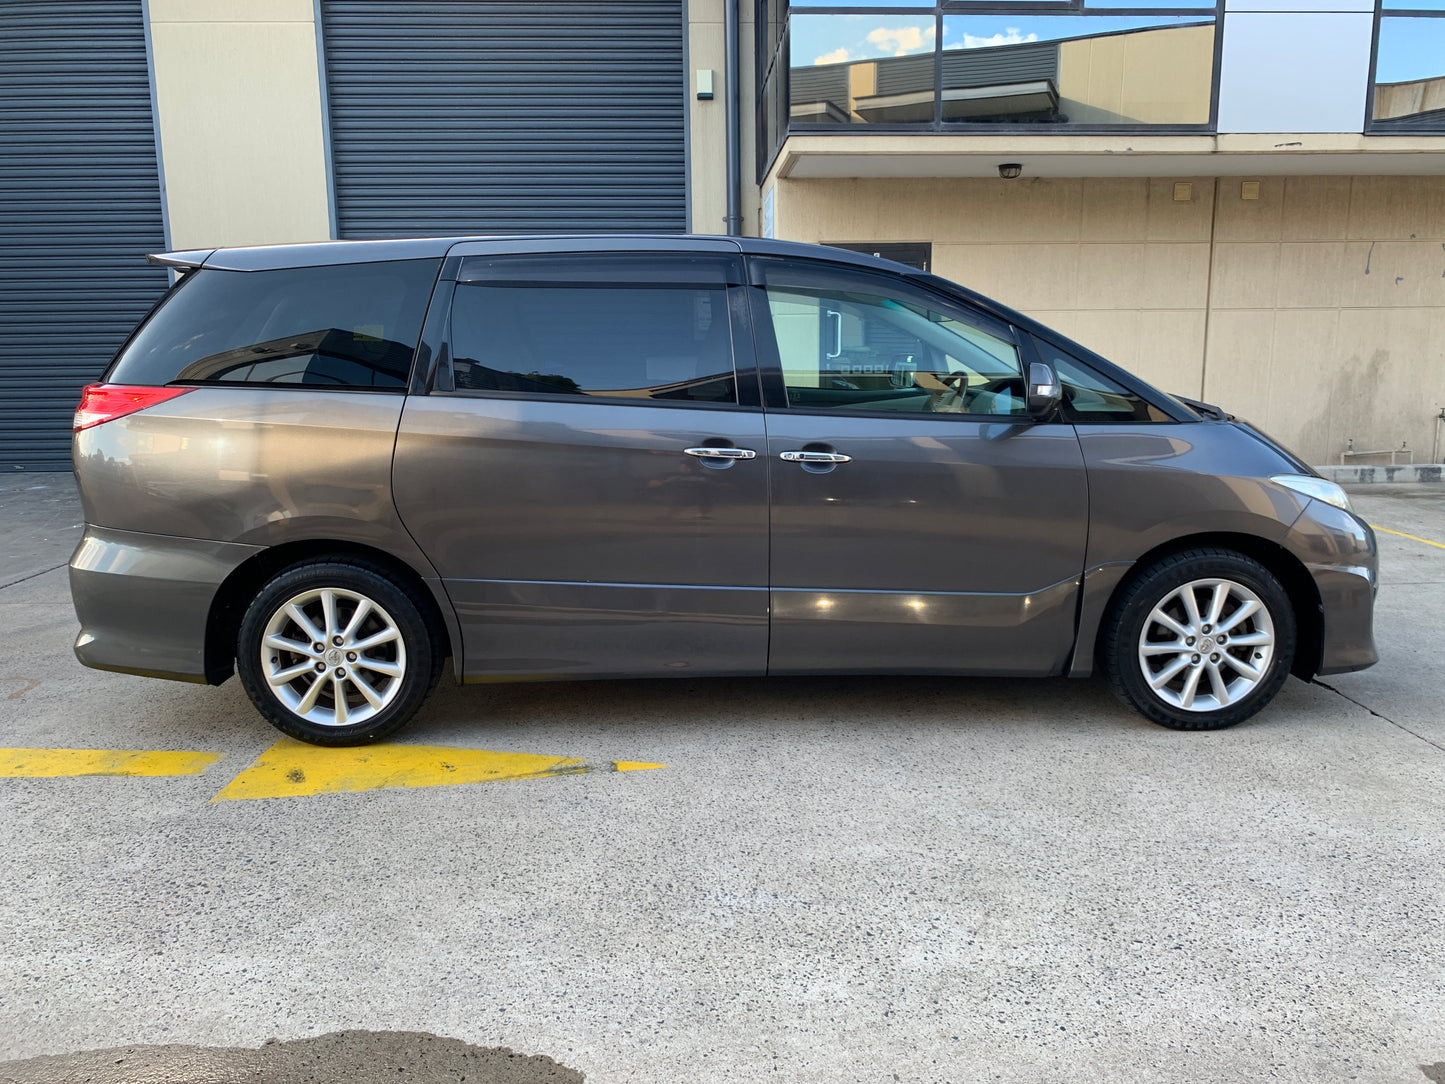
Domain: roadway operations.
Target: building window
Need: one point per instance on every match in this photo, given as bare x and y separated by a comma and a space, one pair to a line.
1408, 89
987, 66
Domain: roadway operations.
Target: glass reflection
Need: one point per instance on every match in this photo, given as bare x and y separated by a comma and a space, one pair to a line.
839, 61
1063, 69
1410, 74
1018, 68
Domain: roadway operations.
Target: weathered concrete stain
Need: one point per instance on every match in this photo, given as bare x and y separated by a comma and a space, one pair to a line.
342, 1057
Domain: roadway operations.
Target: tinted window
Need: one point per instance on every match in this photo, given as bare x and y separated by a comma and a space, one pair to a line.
859, 342
610, 327
1092, 397
341, 326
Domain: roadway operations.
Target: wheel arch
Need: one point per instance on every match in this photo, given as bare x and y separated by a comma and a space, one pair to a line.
228, 606
1296, 580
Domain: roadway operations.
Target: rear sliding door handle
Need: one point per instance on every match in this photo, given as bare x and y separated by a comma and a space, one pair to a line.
721, 453
815, 457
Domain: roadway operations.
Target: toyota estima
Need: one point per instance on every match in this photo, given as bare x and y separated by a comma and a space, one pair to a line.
333, 467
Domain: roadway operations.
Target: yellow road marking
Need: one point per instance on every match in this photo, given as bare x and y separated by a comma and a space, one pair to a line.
53, 763
1412, 537
291, 768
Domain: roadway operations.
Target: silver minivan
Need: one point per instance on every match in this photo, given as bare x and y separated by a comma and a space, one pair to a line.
333, 467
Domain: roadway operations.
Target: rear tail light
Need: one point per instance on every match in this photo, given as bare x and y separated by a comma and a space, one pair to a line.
106, 402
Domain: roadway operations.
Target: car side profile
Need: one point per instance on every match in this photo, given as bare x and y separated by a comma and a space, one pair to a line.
330, 468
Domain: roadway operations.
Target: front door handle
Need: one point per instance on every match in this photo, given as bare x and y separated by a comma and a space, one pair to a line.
721, 453
815, 457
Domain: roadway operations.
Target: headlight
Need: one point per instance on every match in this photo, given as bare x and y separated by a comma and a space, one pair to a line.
1317, 488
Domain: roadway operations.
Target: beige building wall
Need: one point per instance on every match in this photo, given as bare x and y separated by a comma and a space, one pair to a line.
1263, 306
1402, 99
707, 139
238, 104
1146, 77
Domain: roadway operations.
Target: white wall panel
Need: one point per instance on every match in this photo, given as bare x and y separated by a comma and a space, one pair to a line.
1299, 5
1294, 72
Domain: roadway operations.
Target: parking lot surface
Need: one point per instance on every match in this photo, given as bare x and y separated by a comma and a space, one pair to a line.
867, 879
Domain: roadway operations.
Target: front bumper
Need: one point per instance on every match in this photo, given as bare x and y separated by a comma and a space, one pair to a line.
144, 600
1339, 551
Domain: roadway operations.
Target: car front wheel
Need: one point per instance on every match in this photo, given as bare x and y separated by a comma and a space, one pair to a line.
337, 653
1200, 640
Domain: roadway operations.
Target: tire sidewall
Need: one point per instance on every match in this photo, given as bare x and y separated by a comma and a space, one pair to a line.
422, 665
1121, 661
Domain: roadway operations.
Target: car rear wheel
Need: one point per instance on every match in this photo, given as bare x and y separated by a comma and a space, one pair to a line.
1200, 640
336, 652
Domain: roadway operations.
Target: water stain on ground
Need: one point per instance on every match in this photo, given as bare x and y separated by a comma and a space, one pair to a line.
342, 1057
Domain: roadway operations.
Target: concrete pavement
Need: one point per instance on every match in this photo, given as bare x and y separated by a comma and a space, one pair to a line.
832, 880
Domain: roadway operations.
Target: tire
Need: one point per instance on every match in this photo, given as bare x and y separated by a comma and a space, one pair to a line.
386, 662
1169, 610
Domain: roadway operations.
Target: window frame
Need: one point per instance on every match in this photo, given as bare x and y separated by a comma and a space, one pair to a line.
1384, 128
438, 378
770, 366
770, 144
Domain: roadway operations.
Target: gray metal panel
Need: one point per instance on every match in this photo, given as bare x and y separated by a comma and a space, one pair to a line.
1001, 66
80, 206
469, 116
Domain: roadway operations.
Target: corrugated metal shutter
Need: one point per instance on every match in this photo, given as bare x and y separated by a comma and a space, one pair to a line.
476, 116
80, 206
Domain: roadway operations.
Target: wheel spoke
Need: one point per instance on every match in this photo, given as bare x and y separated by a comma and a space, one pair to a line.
281, 643
291, 673
1191, 608
1163, 677
309, 700
390, 669
295, 613
1249, 609
361, 686
385, 636
1243, 667
1216, 604
328, 613
1251, 639
1174, 648
338, 693
1162, 618
1191, 683
363, 608
1218, 684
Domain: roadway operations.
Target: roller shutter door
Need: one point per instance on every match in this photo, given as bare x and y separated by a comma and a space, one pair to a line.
478, 116
80, 206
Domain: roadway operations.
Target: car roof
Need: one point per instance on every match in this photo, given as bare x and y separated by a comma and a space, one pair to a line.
277, 257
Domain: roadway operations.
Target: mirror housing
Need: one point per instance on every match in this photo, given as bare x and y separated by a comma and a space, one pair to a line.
1045, 393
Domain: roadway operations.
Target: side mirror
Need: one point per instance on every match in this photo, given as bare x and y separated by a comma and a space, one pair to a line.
1045, 392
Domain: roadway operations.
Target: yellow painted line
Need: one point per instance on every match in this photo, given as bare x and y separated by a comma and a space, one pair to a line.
293, 768
54, 763
1412, 537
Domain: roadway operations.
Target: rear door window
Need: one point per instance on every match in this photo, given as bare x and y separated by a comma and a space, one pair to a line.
351, 326
617, 326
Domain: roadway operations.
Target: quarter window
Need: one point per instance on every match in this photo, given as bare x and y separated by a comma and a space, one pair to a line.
851, 342
339, 326
611, 328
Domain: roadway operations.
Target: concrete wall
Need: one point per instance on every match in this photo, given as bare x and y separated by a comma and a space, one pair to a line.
1316, 310
707, 141
238, 103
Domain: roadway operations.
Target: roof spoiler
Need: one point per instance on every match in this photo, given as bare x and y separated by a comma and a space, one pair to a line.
181, 261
